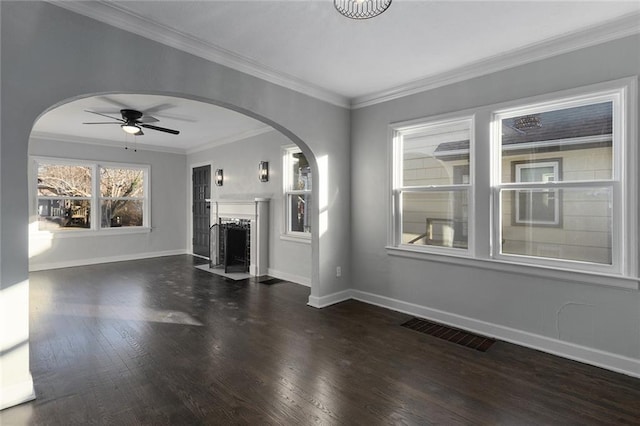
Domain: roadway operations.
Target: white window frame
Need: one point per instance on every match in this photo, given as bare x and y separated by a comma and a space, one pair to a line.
95, 199
483, 251
616, 183
288, 191
413, 127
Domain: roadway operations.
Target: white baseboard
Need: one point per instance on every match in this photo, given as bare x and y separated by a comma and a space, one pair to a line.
330, 299
289, 277
17, 393
96, 260
607, 360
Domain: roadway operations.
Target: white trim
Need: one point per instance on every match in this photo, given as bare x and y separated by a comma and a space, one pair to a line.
230, 139
108, 259
525, 269
79, 232
612, 30
117, 16
297, 279
55, 137
608, 360
330, 299
17, 393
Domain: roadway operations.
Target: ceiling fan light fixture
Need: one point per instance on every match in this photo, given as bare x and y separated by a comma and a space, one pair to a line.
132, 129
361, 9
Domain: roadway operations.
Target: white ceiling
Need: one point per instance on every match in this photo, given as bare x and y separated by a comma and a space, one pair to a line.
200, 124
306, 45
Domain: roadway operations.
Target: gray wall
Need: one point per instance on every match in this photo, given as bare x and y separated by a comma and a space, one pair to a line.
50, 56
168, 198
239, 161
515, 306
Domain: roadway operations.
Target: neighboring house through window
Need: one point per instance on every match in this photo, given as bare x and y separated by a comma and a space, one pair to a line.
555, 170
432, 183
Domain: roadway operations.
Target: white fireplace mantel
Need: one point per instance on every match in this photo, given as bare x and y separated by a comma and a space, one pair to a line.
257, 212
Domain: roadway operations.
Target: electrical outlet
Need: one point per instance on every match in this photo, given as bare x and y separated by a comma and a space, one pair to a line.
338, 271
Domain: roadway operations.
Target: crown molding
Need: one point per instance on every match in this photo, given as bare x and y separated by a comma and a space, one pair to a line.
230, 139
612, 30
56, 137
119, 17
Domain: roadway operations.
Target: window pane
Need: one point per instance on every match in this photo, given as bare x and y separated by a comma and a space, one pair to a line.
580, 138
67, 181
121, 182
569, 224
300, 212
435, 218
63, 213
116, 213
439, 155
300, 172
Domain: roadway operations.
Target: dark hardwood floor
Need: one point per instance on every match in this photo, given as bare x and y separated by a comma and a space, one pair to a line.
159, 342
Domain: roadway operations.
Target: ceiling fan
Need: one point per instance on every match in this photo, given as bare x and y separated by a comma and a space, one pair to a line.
133, 121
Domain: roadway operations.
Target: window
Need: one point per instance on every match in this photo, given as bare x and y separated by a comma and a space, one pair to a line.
558, 184
432, 184
121, 197
74, 195
555, 184
297, 192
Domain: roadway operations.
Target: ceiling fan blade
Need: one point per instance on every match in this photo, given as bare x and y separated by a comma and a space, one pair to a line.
105, 115
113, 102
158, 108
177, 117
147, 119
105, 122
160, 129
140, 133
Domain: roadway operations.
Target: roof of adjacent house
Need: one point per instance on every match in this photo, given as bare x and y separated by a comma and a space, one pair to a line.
558, 125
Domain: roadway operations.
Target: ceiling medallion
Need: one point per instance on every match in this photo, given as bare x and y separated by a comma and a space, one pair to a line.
361, 9
527, 122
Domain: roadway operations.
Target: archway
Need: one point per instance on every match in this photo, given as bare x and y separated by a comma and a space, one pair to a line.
44, 61
62, 142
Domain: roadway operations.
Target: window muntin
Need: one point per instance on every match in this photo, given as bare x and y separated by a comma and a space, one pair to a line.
433, 185
298, 182
559, 184
78, 196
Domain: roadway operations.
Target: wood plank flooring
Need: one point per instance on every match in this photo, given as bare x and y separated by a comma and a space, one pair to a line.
158, 342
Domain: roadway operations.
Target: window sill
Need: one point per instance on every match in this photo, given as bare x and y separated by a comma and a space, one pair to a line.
303, 239
88, 233
592, 278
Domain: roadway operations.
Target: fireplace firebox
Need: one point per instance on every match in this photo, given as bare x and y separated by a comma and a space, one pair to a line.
230, 245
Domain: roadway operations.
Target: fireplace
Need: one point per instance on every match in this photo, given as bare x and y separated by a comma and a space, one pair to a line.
239, 237
230, 245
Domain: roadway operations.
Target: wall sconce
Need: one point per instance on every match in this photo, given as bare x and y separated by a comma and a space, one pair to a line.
219, 177
263, 171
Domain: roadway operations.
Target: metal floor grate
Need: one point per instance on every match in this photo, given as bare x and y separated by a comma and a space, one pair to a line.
271, 281
460, 337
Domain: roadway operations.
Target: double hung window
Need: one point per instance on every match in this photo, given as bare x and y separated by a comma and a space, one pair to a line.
432, 184
556, 179
297, 180
558, 182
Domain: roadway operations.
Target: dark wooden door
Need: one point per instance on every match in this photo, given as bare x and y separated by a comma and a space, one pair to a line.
201, 178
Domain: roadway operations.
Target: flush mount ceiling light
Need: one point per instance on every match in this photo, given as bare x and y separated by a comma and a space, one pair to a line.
361, 9
132, 129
